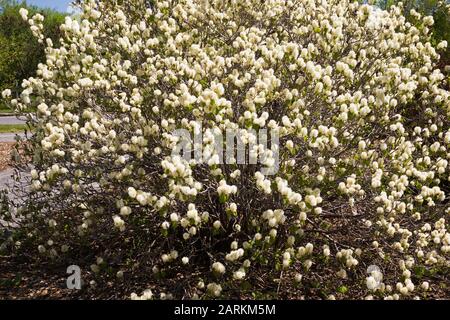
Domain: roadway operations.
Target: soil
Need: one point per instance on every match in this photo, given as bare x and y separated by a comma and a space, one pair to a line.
5, 154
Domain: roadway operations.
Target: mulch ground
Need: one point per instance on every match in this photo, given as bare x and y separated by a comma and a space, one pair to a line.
22, 280
5, 154
25, 282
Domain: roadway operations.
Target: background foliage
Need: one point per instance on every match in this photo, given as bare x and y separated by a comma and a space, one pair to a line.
20, 52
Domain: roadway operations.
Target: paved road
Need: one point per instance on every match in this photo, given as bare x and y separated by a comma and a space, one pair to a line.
6, 182
12, 120
9, 137
5, 177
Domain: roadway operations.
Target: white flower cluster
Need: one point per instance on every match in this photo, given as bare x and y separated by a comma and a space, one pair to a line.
362, 114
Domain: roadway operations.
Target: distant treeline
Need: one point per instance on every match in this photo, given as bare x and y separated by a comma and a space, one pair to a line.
20, 52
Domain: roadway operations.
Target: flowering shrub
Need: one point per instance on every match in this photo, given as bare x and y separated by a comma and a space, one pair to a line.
364, 126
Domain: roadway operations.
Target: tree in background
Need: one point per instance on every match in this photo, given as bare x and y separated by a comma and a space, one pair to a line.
20, 52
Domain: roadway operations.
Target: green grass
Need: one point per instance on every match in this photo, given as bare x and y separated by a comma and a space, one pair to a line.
5, 109
12, 128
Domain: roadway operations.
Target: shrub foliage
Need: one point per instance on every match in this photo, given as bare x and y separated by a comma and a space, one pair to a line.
360, 204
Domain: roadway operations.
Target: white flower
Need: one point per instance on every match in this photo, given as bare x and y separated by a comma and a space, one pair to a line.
119, 223
146, 295
125, 211
165, 225
371, 283
174, 254
235, 255
442, 45
218, 267
132, 193
311, 200
85, 82
342, 274
428, 21
308, 264
214, 289
6, 93
225, 189
23, 13
239, 275
425, 286
362, 145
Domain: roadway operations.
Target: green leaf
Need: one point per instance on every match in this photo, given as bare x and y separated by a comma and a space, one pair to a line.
342, 289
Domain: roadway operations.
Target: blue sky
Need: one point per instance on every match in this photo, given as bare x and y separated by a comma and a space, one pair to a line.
60, 5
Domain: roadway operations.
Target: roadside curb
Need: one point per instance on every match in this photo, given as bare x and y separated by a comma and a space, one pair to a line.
13, 114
